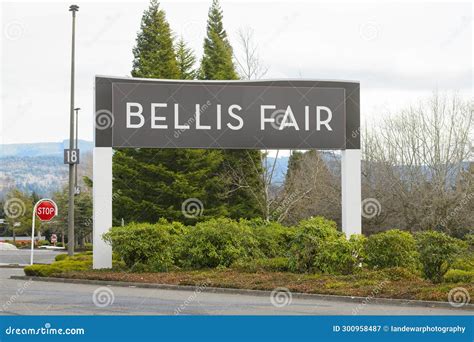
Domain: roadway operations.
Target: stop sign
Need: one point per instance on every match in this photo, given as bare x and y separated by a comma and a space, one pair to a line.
46, 209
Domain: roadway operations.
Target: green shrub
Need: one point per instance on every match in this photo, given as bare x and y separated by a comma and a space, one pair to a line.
79, 262
308, 238
43, 243
279, 264
469, 238
393, 248
459, 276
465, 263
154, 245
273, 238
335, 256
437, 252
358, 242
218, 242
60, 257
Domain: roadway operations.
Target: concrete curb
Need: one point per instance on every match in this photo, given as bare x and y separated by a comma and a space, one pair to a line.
261, 293
12, 266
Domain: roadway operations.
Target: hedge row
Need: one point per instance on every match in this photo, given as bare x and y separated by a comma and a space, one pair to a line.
313, 246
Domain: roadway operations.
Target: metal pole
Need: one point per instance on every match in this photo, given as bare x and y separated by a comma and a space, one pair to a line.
76, 146
70, 225
33, 233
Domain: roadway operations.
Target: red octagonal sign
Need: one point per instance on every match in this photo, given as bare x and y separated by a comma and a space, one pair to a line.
46, 210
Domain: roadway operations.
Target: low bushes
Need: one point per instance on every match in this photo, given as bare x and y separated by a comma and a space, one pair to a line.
273, 238
318, 246
307, 242
459, 276
147, 246
437, 253
393, 248
313, 246
78, 262
60, 257
218, 242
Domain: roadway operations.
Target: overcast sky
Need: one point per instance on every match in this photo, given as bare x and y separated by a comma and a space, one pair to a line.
399, 52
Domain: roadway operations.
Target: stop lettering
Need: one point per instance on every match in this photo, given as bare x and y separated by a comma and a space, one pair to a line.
46, 210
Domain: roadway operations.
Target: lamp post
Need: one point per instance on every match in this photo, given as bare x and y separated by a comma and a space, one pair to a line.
70, 220
77, 191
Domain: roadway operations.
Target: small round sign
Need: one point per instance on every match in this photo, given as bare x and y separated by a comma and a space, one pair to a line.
46, 209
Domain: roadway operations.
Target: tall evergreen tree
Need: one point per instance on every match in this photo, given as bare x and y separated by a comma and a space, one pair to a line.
154, 56
217, 64
186, 60
150, 184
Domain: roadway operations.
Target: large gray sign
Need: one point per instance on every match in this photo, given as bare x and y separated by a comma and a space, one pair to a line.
259, 115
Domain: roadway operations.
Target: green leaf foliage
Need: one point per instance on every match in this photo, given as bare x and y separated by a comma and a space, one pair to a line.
218, 242
437, 253
154, 55
393, 248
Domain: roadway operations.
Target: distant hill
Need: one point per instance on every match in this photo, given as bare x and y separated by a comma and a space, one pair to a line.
281, 166
41, 149
38, 167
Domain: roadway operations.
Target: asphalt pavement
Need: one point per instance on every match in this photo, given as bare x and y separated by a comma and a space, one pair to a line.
26, 297
22, 256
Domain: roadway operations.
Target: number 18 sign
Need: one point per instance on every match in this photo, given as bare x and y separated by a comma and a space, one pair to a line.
71, 156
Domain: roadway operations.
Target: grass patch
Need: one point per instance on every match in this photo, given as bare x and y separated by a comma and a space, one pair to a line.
362, 284
394, 282
64, 264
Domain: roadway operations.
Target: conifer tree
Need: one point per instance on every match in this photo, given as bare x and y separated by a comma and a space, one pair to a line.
217, 64
186, 60
150, 184
154, 56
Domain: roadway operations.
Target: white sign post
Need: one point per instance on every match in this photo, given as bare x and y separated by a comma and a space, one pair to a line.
45, 209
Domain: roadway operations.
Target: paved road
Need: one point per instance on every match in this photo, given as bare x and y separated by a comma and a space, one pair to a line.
22, 256
46, 298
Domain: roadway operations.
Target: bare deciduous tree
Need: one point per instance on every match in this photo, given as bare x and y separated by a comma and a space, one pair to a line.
416, 165
314, 184
249, 64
